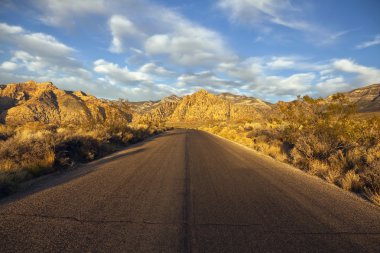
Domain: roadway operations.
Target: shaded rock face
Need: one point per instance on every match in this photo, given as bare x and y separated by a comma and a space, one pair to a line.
43, 102
367, 98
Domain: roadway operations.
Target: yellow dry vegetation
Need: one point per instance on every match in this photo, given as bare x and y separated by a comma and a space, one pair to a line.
35, 148
327, 140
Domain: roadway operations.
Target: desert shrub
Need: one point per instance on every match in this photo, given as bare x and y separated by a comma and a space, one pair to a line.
32, 153
23, 157
10, 179
351, 181
33, 149
76, 148
6, 132
323, 139
373, 196
318, 168
328, 134
333, 175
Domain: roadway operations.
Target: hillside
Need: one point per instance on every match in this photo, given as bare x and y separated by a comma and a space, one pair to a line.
244, 100
154, 111
45, 103
200, 106
205, 106
366, 98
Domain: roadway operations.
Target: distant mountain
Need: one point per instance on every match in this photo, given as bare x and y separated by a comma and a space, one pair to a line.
146, 106
43, 102
244, 100
155, 111
366, 98
204, 106
200, 106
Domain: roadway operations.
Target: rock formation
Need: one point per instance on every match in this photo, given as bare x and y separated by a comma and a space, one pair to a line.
43, 102
366, 98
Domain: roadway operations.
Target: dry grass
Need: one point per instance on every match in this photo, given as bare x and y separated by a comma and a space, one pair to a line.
351, 181
333, 176
34, 149
326, 140
319, 168
373, 196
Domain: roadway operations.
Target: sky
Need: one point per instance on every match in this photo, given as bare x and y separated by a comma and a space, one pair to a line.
149, 49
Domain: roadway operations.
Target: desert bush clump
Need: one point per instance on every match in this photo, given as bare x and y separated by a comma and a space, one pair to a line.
325, 139
24, 156
6, 132
34, 149
32, 153
351, 181
328, 141
373, 196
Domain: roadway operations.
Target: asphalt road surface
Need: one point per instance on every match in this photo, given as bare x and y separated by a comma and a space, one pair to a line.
187, 191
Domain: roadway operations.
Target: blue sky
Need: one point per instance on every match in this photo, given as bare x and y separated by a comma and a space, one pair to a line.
148, 49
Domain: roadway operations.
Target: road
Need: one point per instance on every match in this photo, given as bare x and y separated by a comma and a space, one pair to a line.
187, 191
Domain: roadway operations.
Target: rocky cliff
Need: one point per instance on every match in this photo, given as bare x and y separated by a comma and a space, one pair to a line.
204, 106
366, 98
200, 106
43, 102
155, 111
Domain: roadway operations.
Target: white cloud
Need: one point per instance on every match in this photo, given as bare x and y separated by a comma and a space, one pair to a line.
295, 84
162, 32
294, 63
41, 57
256, 12
246, 70
256, 77
61, 13
154, 69
119, 75
8, 66
41, 45
365, 75
206, 79
281, 63
184, 42
190, 46
332, 85
123, 29
169, 34
330, 38
375, 41
6, 29
135, 85
262, 14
